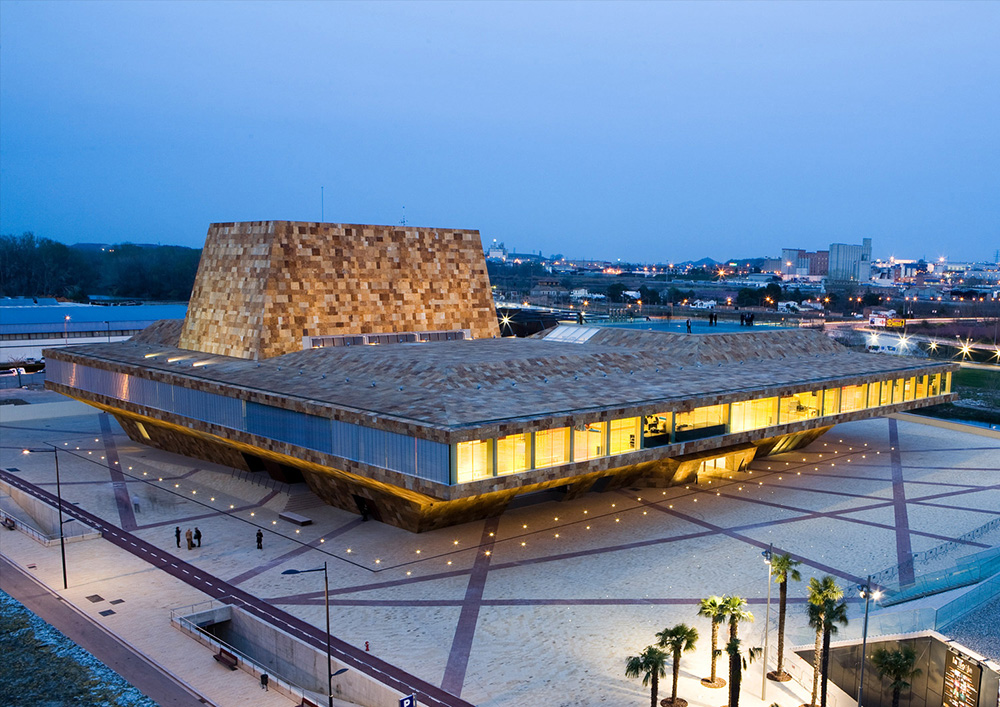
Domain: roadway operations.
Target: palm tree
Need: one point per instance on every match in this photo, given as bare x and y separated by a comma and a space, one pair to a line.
650, 665
714, 609
823, 595
830, 614
736, 612
898, 666
783, 569
679, 639
737, 664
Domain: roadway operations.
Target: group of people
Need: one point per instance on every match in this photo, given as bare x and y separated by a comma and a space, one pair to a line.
713, 319
193, 539
746, 319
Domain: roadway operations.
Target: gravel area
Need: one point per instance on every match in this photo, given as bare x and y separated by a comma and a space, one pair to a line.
980, 630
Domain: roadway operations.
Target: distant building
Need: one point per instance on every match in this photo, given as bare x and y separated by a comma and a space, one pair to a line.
801, 263
850, 263
497, 252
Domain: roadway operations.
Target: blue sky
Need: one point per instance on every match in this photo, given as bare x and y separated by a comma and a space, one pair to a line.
646, 131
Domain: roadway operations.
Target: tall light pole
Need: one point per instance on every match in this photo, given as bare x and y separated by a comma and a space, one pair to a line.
66, 329
326, 597
109, 331
62, 537
866, 591
767, 622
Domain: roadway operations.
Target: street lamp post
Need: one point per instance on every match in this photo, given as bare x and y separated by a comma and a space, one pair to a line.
866, 592
767, 622
62, 537
66, 329
326, 597
109, 331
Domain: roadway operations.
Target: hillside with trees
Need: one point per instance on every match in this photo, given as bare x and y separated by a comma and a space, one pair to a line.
40, 267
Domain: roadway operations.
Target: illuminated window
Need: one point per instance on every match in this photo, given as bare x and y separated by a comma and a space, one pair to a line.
874, 390
588, 441
921, 387
909, 388
935, 385
753, 414
799, 406
947, 382
551, 447
885, 396
897, 390
474, 460
831, 401
513, 454
656, 430
624, 435
852, 397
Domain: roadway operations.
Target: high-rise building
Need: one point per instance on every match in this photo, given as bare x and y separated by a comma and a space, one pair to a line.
851, 263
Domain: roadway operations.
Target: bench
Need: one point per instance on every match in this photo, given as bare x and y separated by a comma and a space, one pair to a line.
306, 702
8, 523
295, 518
226, 658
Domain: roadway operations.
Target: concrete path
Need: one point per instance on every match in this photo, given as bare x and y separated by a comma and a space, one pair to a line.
145, 675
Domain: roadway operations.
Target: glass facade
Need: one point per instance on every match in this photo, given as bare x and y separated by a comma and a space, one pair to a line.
624, 435
474, 460
753, 414
589, 441
551, 447
485, 458
513, 454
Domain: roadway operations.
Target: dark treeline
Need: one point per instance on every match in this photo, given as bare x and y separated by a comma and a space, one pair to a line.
40, 267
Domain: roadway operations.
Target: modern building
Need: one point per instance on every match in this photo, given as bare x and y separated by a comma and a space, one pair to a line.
850, 263
366, 361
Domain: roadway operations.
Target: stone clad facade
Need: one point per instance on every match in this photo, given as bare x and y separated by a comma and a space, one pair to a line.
263, 286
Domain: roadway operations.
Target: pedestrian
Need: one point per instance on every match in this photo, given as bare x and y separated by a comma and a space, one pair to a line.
689, 326
197, 536
189, 538
177, 534
743, 319
260, 539
135, 503
264, 680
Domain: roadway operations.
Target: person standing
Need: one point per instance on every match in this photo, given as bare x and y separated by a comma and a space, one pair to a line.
177, 535
197, 536
189, 537
260, 539
135, 503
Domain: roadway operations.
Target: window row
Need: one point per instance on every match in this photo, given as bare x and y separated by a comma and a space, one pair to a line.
480, 459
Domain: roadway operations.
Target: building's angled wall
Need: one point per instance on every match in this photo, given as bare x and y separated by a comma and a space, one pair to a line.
263, 286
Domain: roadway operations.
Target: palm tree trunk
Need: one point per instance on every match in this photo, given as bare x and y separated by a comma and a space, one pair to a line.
735, 678
817, 653
782, 600
895, 696
715, 646
654, 690
826, 665
677, 673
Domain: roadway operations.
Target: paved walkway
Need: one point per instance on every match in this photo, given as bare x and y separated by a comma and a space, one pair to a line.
542, 605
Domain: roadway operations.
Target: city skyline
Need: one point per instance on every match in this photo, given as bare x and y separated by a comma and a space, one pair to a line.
673, 130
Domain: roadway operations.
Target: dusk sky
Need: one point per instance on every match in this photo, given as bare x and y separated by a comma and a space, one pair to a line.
647, 131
